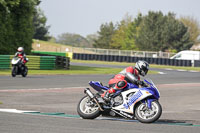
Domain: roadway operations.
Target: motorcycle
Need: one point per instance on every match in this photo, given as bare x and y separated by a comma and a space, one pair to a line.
18, 67
132, 102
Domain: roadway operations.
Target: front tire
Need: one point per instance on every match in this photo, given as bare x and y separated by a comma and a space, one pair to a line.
88, 109
146, 115
14, 71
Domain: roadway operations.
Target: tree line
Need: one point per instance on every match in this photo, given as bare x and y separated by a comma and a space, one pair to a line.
152, 32
20, 22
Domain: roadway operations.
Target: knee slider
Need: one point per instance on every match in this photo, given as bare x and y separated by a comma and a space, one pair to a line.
121, 84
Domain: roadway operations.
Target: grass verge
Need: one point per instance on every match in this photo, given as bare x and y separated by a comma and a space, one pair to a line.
74, 70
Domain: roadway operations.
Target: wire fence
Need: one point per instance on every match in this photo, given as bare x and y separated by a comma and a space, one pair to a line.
159, 54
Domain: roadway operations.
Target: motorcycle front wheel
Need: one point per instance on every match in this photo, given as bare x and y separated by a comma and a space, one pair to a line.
14, 71
146, 115
87, 108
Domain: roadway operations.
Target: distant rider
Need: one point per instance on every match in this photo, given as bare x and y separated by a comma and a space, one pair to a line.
20, 54
128, 75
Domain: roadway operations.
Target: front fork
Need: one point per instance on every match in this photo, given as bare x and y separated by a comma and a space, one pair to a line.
148, 102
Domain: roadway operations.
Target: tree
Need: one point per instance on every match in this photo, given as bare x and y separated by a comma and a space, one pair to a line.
16, 24
193, 27
40, 28
22, 17
104, 36
162, 32
176, 35
124, 36
91, 39
149, 33
6, 28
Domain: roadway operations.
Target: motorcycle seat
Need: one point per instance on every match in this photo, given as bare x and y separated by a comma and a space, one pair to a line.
98, 85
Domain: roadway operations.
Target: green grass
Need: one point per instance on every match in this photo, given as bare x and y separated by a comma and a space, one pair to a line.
176, 67
132, 64
47, 46
77, 70
74, 70
49, 43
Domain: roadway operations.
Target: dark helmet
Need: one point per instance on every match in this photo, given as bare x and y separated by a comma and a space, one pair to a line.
142, 67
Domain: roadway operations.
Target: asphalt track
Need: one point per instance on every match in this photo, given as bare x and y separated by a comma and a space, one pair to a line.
180, 92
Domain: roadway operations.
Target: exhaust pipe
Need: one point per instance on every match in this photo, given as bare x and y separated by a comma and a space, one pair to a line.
89, 93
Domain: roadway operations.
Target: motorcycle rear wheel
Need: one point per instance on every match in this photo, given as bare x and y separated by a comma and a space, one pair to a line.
25, 71
88, 109
146, 115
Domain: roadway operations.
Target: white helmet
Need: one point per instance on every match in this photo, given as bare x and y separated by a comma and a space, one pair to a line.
142, 67
20, 49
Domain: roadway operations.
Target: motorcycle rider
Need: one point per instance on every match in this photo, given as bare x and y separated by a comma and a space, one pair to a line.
128, 75
20, 54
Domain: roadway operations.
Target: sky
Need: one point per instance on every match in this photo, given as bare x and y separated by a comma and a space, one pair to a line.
85, 17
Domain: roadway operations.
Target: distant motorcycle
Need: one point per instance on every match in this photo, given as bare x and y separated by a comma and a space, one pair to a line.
18, 67
131, 102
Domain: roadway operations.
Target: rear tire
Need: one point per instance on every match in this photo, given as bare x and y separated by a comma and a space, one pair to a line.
88, 109
145, 115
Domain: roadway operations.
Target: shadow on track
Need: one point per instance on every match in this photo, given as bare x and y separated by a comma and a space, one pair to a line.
174, 122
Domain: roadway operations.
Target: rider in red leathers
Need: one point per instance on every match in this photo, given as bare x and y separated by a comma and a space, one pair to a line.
128, 75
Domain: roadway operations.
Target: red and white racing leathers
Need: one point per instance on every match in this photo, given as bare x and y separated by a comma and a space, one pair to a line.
119, 81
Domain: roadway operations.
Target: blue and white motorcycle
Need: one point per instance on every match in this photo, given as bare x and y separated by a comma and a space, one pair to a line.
132, 102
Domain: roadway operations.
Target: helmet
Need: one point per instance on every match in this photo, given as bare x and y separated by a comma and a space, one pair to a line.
20, 49
142, 67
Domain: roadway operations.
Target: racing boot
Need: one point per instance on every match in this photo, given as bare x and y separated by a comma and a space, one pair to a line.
107, 95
